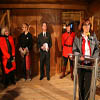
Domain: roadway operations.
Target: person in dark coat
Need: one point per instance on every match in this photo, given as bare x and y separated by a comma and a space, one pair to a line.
7, 48
44, 44
25, 47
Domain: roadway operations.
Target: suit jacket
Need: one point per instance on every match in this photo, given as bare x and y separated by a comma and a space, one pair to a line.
42, 40
26, 41
94, 45
5, 55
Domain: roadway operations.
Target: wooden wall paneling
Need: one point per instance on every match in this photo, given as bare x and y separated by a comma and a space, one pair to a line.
58, 44
94, 10
58, 48
45, 1
46, 6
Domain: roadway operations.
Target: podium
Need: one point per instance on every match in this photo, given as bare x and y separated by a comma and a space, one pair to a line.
94, 69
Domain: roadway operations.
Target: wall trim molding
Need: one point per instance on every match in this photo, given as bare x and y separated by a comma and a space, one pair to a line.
43, 6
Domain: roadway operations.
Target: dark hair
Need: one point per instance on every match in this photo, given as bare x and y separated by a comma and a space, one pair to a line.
83, 23
68, 24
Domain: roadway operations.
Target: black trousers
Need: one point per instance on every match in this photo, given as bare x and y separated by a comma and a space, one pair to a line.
26, 73
9, 78
84, 77
24, 67
66, 60
3, 73
44, 59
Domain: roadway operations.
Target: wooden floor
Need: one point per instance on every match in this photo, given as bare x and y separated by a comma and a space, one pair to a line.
55, 89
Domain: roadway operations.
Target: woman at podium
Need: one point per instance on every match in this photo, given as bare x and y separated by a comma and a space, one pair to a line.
86, 44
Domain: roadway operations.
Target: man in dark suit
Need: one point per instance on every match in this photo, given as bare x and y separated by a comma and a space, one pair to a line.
44, 44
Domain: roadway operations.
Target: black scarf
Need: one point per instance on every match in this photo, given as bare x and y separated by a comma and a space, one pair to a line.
9, 63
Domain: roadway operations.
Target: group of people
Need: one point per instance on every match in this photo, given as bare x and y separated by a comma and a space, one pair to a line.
25, 41
7, 54
84, 43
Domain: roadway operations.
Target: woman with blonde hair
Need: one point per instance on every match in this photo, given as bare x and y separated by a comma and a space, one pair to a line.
25, 46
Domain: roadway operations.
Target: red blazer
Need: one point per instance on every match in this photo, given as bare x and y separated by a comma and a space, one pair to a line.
67, 43
5, 54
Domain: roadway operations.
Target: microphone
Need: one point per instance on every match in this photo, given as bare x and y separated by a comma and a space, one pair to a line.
88, 34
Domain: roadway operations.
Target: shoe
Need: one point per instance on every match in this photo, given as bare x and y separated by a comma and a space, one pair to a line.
14, 82
29, 79
62, 76
41, 78
71, 70
63, 73
48, 78
5, 85
72, 77
23, 79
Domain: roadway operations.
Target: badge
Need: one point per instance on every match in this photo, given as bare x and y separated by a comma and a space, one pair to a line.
27, 37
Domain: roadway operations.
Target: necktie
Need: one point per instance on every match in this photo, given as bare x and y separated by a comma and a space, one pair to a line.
44, 34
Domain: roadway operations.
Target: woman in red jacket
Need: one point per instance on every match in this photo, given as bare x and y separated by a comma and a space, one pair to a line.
8, 56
